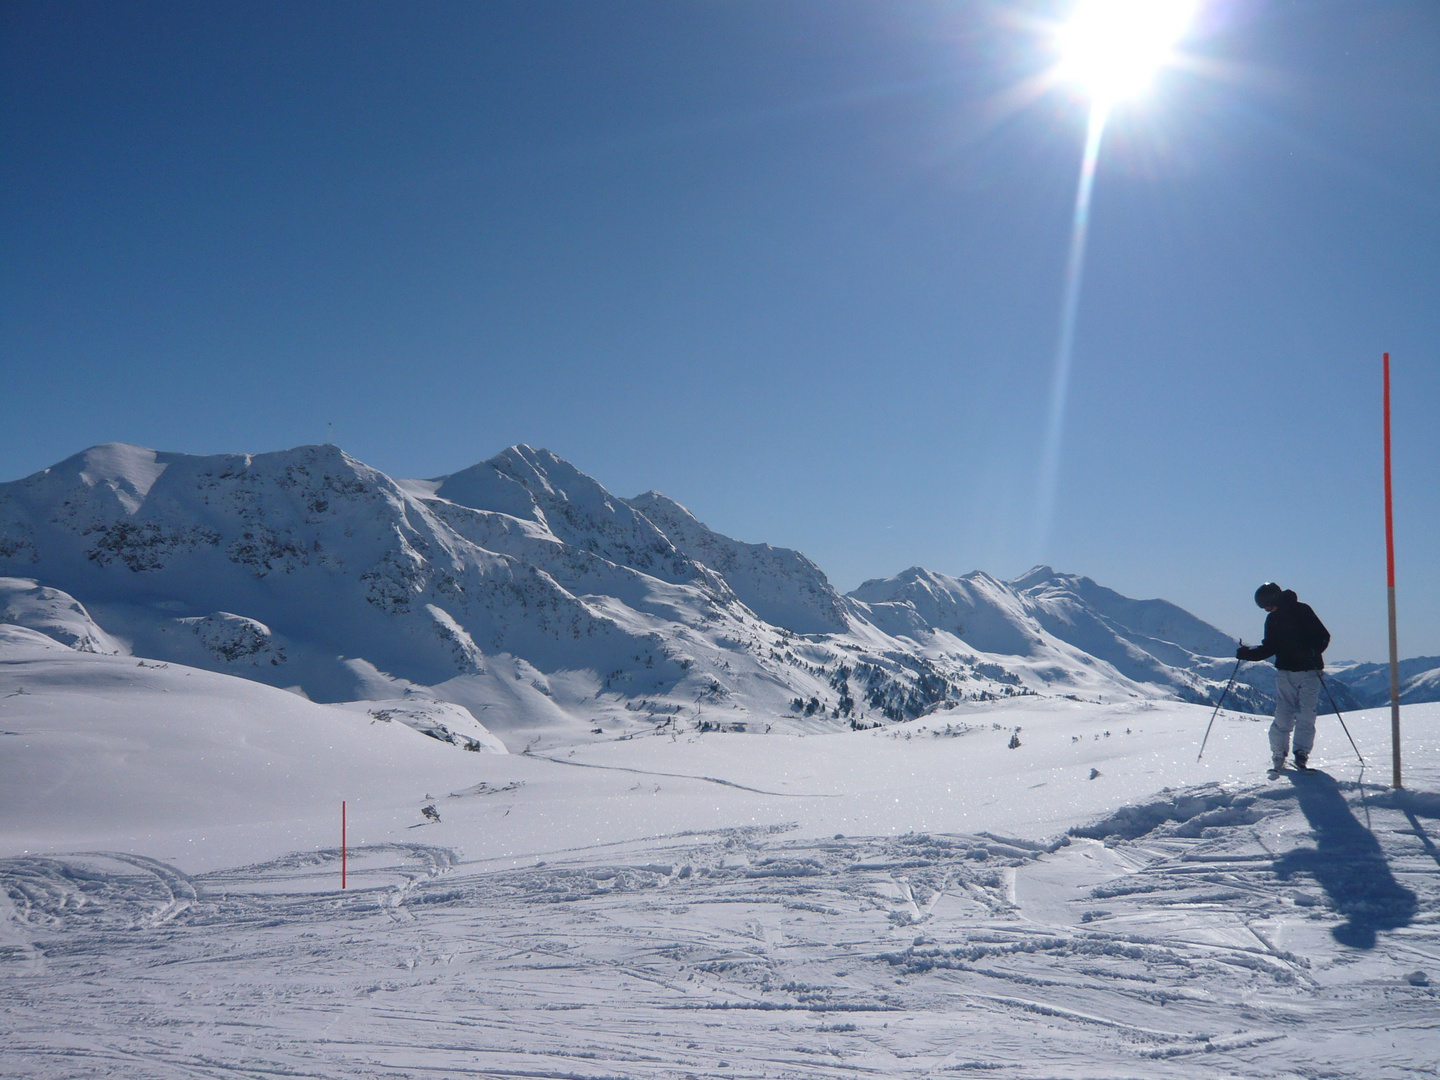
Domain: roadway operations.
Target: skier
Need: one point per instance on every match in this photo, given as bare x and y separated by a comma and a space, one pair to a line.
1296, 638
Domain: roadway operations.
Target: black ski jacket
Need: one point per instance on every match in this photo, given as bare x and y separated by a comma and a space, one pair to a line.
1294, 635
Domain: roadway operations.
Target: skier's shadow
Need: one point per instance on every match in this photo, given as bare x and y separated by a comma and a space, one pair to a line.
1348, 864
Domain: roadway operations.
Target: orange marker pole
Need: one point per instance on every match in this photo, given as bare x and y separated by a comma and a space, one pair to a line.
1390, 593
342, 843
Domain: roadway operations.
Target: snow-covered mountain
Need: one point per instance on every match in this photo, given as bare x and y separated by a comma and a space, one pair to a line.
524, 591
1370, 683
1060, 620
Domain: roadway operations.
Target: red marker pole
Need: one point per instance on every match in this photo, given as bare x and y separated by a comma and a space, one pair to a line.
342, 843
1390, 592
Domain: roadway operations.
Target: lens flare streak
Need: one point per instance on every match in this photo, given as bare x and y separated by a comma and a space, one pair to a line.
1064, 349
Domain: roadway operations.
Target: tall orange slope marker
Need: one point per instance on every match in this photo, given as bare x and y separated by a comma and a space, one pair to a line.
1390, 594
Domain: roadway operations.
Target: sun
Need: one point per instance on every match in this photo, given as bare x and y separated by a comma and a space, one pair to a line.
1113, 48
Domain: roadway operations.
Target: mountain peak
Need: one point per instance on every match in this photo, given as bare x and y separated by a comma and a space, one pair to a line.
131, 471
1034, 576
654, 499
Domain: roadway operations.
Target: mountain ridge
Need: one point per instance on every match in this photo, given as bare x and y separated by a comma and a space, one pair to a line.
523, 590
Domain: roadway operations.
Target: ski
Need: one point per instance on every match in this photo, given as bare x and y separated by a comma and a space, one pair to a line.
1300, 770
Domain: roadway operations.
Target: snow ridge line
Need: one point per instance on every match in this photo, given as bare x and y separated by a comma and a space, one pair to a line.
788, 1006
1062, 1013
1197, 809
918, 960
1221, 1045
687, 776
1029, 847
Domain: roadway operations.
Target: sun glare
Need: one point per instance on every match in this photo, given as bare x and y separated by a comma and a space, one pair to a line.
1113, 48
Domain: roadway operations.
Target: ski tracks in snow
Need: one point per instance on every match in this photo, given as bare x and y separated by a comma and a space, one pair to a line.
1263, 933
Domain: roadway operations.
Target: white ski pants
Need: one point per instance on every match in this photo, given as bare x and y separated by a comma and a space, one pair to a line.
1296, 694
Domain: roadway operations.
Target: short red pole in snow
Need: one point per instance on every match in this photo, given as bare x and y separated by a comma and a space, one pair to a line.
342, 843
1390, 594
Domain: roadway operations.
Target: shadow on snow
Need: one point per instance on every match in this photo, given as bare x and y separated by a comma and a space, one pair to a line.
1414, 805
1348, 864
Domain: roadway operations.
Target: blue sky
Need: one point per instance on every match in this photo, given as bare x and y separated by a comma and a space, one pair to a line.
797, 265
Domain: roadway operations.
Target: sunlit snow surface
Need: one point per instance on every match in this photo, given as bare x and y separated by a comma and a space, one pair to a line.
919, 900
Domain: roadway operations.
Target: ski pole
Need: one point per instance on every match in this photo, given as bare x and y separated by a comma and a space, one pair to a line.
1336, 707
1217, 707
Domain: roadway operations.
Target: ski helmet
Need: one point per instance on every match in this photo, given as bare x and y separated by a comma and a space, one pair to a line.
1267, 595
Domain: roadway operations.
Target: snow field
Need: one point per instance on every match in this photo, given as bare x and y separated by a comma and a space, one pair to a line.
680, 904
205, 770
743, 952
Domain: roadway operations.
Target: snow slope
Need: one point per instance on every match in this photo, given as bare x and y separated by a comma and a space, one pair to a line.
779, 585
54, 614
1030, 887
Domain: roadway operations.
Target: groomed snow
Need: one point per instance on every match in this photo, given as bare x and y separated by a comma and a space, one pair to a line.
917, 900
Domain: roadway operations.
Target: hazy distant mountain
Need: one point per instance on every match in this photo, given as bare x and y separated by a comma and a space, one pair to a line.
523, 590
1370, 683
1048, 616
